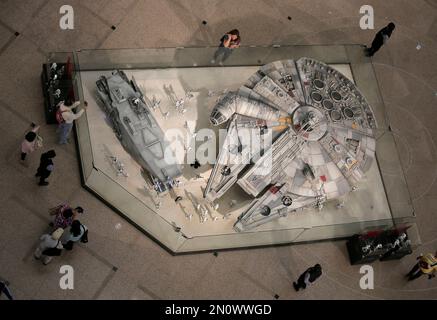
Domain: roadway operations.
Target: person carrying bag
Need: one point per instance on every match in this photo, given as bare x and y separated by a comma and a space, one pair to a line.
50, 246
32, 141
75, 233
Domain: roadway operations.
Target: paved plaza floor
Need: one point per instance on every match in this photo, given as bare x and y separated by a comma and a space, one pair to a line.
120, 262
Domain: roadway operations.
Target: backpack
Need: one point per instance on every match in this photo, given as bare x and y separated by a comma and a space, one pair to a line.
84, 237
52, 251
59, 113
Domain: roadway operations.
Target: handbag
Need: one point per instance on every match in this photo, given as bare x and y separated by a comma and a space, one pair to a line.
52, 252
39, 142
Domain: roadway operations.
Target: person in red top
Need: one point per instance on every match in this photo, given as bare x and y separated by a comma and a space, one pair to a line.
228, 43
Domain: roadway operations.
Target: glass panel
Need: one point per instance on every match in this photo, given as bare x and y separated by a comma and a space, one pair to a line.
110, 59
394, 179
81, 126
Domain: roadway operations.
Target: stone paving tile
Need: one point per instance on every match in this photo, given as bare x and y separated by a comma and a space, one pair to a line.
147, 19
19, 14
142, 294
111, 12
45, 30
226, 283
5, 36
175, 277
22, 230
27, 276
425, 209
120, 286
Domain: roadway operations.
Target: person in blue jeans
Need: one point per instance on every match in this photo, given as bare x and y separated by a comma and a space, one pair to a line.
66, 117
4, 289
228, 43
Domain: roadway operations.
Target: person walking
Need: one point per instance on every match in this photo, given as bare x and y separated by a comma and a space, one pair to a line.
30, 142
4, 289
74, 233
49, 246
46, 167
65, 117
308, 277
427, 264
228, 43
380, 38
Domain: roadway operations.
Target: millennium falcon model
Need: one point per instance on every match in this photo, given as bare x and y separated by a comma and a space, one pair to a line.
299, 133
137, 129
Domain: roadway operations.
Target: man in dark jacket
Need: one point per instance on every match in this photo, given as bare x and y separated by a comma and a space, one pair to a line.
380, 38
308, 277
45, 167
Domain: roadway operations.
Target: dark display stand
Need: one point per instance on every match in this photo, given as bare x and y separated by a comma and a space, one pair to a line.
396, 254
50, 85
382, 245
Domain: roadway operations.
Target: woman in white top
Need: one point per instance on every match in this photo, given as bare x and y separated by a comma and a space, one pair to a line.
47, 242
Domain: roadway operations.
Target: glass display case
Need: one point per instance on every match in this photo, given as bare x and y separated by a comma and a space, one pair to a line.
108, 171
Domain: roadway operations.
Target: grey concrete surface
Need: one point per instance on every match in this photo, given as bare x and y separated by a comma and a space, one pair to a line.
122, 263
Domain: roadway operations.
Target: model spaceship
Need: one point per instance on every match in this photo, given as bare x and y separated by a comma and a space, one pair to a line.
299, 133
137, 129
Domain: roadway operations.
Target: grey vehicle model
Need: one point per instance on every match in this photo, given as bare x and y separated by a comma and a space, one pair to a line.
137, 129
